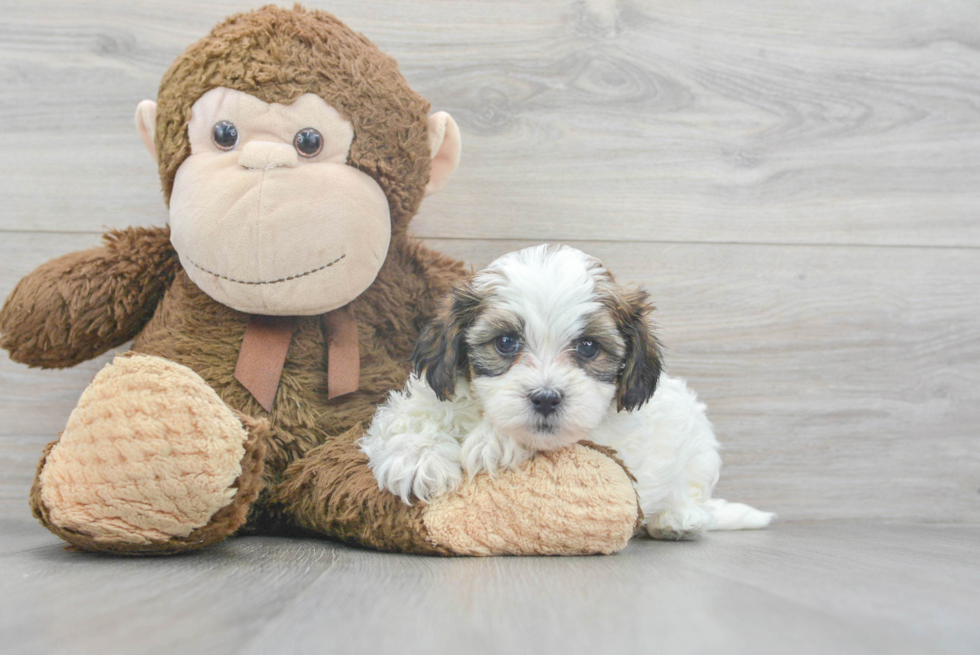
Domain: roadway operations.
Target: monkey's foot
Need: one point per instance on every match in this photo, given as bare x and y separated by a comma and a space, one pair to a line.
151, 462
577, 501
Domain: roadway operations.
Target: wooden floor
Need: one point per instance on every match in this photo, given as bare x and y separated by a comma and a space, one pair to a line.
796, 182
798, 588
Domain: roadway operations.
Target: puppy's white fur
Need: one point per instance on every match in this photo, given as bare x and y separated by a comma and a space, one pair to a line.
420, 445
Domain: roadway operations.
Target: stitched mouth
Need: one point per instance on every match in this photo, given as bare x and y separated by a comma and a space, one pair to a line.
282, 279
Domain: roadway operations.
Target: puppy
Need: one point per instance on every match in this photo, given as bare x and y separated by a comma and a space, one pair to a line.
540, 350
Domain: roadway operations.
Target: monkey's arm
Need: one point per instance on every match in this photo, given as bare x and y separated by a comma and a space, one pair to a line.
80, 305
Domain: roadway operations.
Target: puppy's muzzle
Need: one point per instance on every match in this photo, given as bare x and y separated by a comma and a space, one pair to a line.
545, 401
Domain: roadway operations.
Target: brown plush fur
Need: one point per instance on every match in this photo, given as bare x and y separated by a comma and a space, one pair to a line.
73, 308
332, 491
267, 53
192, 329
82, 304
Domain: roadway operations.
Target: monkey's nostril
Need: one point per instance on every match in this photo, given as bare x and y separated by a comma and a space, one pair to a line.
545, 401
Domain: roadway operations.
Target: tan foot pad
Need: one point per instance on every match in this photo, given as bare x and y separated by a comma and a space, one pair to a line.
576, 501
151, 453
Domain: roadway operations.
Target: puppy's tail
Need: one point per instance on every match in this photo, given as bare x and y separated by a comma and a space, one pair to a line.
736, 516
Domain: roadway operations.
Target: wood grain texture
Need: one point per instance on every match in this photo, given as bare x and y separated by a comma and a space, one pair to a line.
794, 589
18, 462
844, 382
843, 379
796, 184
800, 122
19, 534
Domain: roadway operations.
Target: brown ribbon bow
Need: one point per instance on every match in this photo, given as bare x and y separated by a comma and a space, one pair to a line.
266, 342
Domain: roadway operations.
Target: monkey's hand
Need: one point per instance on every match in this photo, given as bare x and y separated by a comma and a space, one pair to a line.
80, 305
575, 501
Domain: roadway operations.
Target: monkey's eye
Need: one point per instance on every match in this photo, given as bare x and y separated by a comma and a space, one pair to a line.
308, 142
225, 135
506, 344
587, 348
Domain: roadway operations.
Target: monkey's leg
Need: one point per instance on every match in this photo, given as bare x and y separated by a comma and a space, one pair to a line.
577, 501
151, 462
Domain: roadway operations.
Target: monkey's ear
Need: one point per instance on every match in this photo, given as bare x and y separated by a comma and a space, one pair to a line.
146, 125
440, 353
641, 363
445, 147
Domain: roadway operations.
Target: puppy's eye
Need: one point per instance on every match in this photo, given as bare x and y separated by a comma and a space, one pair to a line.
308, 142
225, 135
587, 348
506, 344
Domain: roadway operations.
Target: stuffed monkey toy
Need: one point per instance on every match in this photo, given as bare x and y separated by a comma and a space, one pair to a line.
271, 316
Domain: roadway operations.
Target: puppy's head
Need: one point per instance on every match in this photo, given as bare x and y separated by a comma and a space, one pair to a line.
548, 341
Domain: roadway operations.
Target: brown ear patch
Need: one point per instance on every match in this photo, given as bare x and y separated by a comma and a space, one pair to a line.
637, 381
440, 352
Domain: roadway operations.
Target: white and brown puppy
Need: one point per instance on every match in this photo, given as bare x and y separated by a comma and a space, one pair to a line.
536, 352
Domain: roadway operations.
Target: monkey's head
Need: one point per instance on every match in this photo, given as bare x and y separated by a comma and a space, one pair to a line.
291, 152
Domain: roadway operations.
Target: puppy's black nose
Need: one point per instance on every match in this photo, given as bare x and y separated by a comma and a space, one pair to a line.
545, 401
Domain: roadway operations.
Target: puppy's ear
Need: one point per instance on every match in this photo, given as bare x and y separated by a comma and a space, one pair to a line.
642, 360
440, 352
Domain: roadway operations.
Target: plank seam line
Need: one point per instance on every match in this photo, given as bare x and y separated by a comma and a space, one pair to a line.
666, 242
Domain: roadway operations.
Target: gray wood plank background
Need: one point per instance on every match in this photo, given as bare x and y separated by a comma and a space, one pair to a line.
798, 184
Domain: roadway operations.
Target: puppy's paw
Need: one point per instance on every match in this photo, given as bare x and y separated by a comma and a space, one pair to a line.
679, 524
485, 449
407, 468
